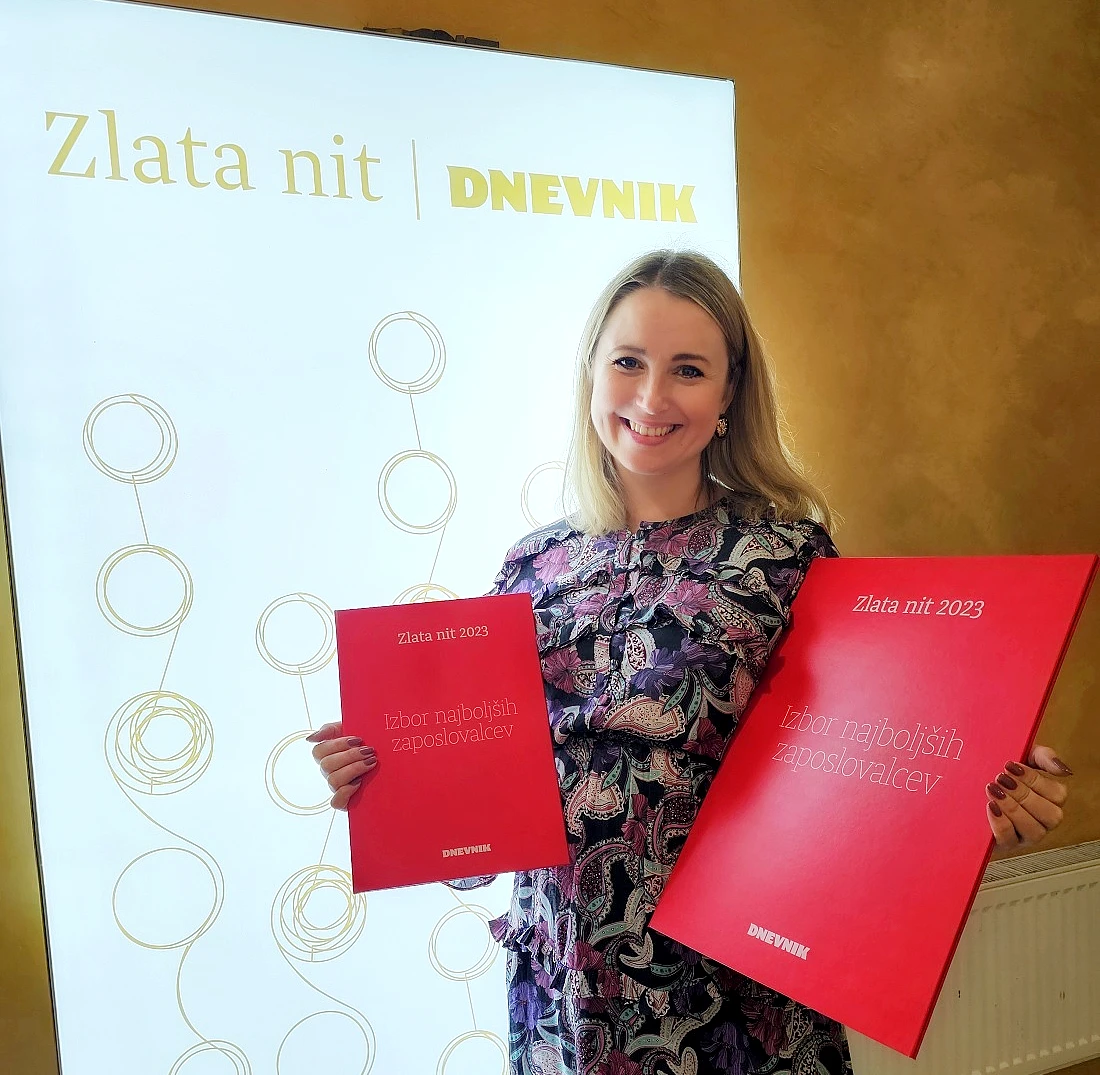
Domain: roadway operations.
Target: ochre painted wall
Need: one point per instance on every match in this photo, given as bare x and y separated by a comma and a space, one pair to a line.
920, 226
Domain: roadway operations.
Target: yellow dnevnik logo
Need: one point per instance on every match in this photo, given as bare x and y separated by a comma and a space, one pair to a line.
551, 195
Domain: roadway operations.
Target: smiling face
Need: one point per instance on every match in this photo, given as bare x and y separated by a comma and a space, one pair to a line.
660, 381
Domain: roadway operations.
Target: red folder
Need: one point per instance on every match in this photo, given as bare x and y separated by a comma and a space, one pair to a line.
838, 852
450, 695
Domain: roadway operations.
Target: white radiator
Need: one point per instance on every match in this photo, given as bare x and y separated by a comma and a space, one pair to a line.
1023, 991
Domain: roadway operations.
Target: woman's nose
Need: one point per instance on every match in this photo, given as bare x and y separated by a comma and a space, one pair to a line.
652, 395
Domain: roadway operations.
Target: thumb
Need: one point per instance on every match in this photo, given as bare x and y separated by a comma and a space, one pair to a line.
326, 731
1047, 760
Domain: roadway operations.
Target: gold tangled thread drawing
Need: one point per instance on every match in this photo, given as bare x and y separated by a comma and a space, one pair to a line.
143, 748
297, 935
138, 765
161, 462
427, 380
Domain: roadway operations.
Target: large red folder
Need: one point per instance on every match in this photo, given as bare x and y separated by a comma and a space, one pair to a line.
839, 850
450, 695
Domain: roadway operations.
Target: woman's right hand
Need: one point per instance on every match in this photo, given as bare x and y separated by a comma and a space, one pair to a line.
344, 760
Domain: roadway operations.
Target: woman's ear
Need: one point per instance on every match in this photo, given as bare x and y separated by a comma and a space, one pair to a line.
731, 391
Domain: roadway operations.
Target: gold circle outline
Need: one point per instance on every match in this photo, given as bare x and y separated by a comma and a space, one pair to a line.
273, 790
525, 492
441, 1068
384, 501
194, 935
135, 767
161, 462
481, 964
300, 939
364, 1028
111, 614
325, 652
427, 380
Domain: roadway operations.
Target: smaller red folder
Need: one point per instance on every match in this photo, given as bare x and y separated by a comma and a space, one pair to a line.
840, 847
450, 695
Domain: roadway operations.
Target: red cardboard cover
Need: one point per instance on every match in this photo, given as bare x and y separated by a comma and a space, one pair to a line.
840, 847
450, 694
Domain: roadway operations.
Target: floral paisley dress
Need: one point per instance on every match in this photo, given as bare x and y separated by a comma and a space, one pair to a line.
651, 643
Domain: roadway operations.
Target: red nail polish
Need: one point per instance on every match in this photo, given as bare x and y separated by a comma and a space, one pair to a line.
354, 741
1007, 782
1062, 767
994, 809
995, 791
1015, 769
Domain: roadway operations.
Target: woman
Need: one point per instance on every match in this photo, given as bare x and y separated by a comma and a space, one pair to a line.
656, 604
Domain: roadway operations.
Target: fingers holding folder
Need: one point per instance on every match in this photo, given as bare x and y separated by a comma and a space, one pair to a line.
344, 760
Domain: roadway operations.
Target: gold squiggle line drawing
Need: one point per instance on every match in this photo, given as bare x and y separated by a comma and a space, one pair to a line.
210, 863
134, 766
390, 512
160, 464
112, 615
525, 493
470, 1035
132, 763
299, 939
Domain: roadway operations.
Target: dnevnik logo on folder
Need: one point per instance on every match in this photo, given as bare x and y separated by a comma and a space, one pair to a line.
856, 779
450, 695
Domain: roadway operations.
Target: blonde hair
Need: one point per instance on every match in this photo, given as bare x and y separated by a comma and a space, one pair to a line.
753, 464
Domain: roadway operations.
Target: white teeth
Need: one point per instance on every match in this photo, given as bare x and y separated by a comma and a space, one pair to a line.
650, 431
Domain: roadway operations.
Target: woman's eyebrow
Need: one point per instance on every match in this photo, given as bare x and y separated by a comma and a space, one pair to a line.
683, 356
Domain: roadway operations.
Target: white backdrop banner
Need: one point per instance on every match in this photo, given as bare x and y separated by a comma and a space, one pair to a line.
287, 324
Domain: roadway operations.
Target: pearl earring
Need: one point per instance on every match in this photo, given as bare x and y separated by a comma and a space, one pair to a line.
723, 427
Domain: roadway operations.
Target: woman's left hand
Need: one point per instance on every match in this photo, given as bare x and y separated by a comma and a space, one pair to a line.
1024, 802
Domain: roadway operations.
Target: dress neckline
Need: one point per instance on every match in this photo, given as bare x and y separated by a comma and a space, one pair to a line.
648, 526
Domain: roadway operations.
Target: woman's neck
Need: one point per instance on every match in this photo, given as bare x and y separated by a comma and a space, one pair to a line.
650, 499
